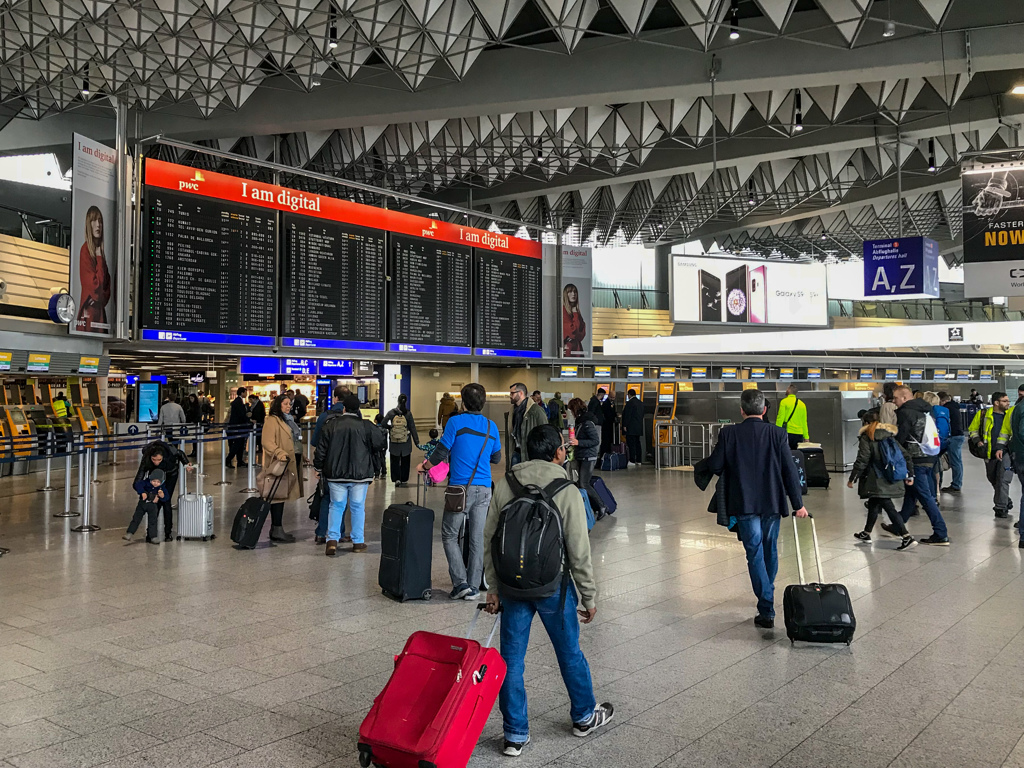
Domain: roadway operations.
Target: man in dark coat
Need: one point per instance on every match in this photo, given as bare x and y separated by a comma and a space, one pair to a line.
238, 421
760, 482
608, 436
633, 426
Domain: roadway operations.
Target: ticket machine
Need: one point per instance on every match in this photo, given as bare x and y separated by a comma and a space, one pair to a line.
92, 392
16, 430
82, 416
664, 415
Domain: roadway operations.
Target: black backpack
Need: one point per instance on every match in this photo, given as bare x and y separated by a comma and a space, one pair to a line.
528, 548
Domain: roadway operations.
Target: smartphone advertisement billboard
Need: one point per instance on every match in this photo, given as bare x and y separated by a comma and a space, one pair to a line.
717, 290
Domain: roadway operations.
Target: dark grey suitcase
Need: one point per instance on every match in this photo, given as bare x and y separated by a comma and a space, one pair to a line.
817, 612
406, 540
814, 464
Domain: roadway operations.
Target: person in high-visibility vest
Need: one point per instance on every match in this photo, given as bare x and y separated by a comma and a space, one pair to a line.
60, 408
989, 432
792, 417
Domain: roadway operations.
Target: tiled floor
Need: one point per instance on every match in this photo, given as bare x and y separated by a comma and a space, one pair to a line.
192, 654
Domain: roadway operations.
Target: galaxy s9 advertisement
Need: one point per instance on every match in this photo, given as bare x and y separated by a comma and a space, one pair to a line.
725, 290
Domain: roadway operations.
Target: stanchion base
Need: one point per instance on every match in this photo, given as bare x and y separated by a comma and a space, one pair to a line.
67, 514
46, 489
85, 528
250, 490
3, 551
222, 482
96, 482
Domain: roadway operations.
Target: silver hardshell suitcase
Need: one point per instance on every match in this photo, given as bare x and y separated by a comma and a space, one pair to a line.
195, 512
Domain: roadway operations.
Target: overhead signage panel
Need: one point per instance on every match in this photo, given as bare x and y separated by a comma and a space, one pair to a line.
697, 373
901, 268
814, 373
985, 374
570, 371
88, 365
891, 374
993, 230
670, 373
5, 361
867, 373
728, 373
916, 374
786, 373
635, 372
757, 373
38, 363
602, 371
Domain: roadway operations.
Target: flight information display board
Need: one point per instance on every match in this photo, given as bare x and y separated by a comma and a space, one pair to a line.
507, 302
334, 285
430, 296
209, 270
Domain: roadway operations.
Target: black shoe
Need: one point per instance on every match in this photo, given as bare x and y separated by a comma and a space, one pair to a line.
936, 541
890, 529
950, 489
1021, 545
1002, 514
764, 622
229, 465
168, 537
243, 466
514, 748
320, 540
907, 543
603, 713
862, 535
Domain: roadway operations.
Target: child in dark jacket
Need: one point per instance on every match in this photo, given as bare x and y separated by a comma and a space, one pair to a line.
151, 494
873, 485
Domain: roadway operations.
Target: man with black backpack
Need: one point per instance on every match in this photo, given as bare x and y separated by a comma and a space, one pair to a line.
536, 558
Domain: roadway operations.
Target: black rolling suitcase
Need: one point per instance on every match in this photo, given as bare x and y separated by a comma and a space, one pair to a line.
406, 538
817, 612
801, 469
814, 465
251, 517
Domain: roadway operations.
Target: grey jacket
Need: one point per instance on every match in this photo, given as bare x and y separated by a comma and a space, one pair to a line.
534, 417
869, 456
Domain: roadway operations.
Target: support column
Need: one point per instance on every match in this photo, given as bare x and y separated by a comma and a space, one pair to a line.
123, 219
474, 372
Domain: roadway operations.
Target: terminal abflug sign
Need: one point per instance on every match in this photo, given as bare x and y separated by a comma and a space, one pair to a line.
179, 178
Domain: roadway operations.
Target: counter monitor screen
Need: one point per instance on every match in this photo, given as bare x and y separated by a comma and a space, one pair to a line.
87, 414
17, 416
208, 267
334, 280
430, 296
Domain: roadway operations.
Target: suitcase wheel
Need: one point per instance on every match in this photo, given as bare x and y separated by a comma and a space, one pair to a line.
179, 538
204, 538
213, 536
428, 594
365, 756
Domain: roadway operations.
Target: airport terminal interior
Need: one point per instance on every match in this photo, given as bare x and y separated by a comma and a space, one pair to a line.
644, 228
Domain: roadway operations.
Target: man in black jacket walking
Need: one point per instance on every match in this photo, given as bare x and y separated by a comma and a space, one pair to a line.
760, 482
238, 423
911, 418
608, 425
344, 455
633, 426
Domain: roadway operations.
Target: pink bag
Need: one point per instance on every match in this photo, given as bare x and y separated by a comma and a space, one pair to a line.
438, 473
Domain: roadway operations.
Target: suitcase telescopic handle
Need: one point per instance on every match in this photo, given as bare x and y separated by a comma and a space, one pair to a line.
817, 552
476, 616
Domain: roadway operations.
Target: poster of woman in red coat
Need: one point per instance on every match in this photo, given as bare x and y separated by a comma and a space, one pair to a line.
94, 277
574, 327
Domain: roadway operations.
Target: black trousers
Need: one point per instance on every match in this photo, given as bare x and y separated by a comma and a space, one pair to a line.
380, 464
400, 468
277, 514
794, 441
165, 504
607, 438
636, 454
585, 471
876, 506
236, 447
143, 509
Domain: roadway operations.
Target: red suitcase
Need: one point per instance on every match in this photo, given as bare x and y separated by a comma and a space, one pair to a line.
434, 708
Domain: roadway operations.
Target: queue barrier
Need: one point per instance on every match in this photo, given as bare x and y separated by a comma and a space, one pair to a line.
683, 444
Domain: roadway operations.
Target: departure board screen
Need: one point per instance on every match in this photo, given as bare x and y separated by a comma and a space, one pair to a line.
208, 270
507, 301
430, 296
334, 284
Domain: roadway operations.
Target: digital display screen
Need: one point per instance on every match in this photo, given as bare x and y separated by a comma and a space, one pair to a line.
17, 416
666, 398
507, 292
334, 280
149, 401
87, 413
208, 266
430, 296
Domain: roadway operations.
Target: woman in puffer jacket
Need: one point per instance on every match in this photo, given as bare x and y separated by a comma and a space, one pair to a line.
586, 442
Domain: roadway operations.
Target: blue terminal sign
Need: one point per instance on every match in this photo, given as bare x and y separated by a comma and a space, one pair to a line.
293, 366
908, 266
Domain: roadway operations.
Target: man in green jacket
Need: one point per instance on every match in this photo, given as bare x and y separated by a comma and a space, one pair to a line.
558, 612
990, 432
1015, 446
526, 415
792, 417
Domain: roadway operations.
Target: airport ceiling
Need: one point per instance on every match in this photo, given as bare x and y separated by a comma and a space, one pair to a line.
595, 117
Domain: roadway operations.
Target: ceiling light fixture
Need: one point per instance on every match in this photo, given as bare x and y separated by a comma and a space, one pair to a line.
734, 20
931, 155
332, 42
85, 80
316, 81
750, 192
1018, 90
799, 120
890, 29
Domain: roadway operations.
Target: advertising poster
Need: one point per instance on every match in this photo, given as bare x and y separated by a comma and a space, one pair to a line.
577, 279
714, 290
93, 281
993, 230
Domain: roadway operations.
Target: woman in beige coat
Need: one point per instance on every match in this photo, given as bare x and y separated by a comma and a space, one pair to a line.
278, 446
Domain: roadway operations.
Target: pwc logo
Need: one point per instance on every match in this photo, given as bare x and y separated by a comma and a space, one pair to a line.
429, 232
192, 185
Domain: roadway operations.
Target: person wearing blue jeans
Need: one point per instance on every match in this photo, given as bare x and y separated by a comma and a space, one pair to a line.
955, 445
344, 458
760, 535
540, 486
337, 408
321, 524
912, 416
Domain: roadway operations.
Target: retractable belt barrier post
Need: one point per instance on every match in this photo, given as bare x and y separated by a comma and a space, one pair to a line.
252, 464
95, 467
81, 468
224, 458
49, 461
86, 526
68, 512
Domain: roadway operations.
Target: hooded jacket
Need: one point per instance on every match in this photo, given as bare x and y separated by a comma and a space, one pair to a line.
574, 524
868, 465
910, 423
588, 436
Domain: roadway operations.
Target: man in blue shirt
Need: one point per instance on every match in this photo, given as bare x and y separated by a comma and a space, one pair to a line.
470, 444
